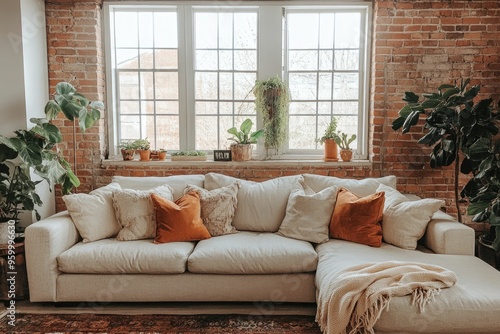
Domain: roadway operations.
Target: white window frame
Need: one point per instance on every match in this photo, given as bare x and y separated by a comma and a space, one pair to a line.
272, 41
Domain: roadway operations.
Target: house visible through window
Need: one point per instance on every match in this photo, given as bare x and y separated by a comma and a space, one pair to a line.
181, 75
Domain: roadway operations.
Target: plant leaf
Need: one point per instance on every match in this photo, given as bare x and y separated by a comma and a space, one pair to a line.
64, 88
477, 207
52, 109
48, 131
411, 120
411, 97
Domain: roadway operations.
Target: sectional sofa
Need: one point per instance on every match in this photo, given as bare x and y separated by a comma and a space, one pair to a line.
257, 263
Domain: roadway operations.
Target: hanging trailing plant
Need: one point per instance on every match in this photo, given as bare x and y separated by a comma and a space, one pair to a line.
272, 97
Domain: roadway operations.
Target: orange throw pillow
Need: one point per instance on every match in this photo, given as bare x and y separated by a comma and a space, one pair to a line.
179, 220
358, 219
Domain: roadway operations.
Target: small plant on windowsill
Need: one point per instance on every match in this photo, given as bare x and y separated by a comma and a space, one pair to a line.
343, 142
189, 156
328, 139
127, 149
143, 147
241, 149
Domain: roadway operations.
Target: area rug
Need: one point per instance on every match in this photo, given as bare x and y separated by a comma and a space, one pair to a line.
168, 324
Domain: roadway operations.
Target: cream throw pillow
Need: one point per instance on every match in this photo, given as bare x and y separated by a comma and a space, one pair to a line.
217, 207
261, 205
135, 212
308, 213
405, 221
93, 213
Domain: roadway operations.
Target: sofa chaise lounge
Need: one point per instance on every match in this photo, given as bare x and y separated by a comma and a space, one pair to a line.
257, 264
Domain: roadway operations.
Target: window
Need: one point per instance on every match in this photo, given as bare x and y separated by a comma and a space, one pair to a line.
181, 75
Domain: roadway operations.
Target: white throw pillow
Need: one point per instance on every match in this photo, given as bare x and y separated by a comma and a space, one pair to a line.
217, 207
177, 182
362, 188
261, 205
405, 221
308, 213
135, 212
93, 213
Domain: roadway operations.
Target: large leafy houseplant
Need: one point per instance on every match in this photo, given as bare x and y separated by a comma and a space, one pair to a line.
454, 123
36, 149
272, 98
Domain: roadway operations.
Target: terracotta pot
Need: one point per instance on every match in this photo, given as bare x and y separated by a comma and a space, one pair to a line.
241, 152
346, 155
128, 154
145, 155
162, 155
331, 150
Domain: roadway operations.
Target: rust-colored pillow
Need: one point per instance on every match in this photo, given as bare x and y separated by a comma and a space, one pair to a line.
358, 219
179, 220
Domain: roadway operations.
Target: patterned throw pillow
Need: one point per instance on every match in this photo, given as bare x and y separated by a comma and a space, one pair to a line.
135, 212
217, 207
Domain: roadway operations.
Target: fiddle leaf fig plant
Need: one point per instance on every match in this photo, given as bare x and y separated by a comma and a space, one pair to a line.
454, 123
36, 149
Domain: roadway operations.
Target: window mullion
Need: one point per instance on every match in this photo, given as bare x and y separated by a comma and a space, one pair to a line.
186, 79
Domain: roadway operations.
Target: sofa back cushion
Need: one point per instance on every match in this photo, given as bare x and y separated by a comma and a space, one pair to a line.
177, 182
363, 187
261, 205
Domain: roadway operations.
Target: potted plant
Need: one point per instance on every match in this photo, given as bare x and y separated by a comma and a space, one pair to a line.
272, 99
127, 149
328, 139
343, 142
454, 123
36, 149
143, 147
189, 156
241, 150
162, 154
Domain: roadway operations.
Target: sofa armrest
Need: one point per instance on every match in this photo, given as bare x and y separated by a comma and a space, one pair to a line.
445, 235
44, 241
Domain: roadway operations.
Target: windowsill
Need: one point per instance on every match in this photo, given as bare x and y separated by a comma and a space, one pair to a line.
251, 163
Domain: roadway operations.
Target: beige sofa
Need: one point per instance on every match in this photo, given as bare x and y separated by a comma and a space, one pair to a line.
256, 265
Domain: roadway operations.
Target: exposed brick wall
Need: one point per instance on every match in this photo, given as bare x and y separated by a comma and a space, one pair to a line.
75, 54
417, 45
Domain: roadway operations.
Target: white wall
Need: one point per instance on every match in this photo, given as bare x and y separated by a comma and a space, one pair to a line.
24, 83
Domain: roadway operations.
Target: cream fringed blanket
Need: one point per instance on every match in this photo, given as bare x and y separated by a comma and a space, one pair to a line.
354, 299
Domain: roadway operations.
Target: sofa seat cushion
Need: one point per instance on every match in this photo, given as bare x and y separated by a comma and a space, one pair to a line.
471, 306
110, 256
252, 253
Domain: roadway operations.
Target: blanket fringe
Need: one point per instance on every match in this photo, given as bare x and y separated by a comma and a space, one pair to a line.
364, 324
422, 296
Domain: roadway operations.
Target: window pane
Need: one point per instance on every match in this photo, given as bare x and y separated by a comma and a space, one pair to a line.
166, 59
325, 60
303, 60
226, 86
243, 84
225, 60
206, 30
205, 108
126, 29
165, 30
167, 132
245, 108
146, 33
225, 30
245, 30
347, 60
167, 107
127, 59
345, 86
344, 108
146, 59
347, 31
206, 86
245, 60
129, 107
147, 87
301, 133
147, 107
130, 127
206, 60
303, 31
303, 86
327, 21
129, 85
148, 129
325, 86
302, 108
206, 132
166, 85
325, 108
